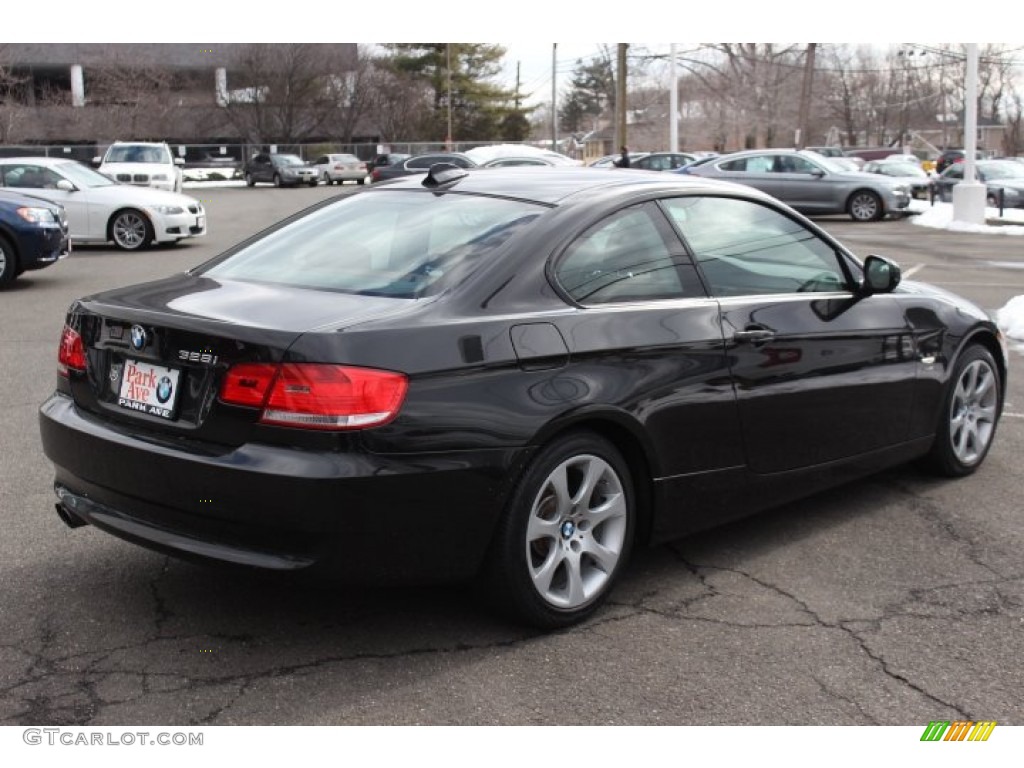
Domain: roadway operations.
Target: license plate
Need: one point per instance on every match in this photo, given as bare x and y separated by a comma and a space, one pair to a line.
147, 388
200, 221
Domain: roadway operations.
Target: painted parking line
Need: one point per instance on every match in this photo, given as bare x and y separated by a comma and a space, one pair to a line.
913, 270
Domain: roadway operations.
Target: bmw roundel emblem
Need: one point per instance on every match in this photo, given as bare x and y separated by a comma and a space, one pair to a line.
163, 389
139, 337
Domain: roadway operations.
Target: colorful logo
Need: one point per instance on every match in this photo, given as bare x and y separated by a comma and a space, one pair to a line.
958, 730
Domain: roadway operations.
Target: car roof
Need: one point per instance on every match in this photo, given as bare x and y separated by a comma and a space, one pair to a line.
552, 185
49, 161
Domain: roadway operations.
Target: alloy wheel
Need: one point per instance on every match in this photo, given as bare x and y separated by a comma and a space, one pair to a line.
973, 411
576, 532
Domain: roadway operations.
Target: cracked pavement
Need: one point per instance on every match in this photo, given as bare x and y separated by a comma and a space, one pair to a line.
896, 600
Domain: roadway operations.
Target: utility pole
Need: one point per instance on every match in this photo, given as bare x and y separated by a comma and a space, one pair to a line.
805, 98
518, 63
554, 97
620, 96
448, 56
673, 104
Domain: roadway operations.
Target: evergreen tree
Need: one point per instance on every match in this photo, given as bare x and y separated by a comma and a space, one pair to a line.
592, 91
480, 109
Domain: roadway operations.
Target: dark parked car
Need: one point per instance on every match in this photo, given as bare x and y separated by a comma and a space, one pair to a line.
952, 157
809, 182
1003, 180
281, 170
662, 161
421, 164
509, 375
33, 234
390, 158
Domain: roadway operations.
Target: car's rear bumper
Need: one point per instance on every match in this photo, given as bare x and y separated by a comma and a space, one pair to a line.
367, 518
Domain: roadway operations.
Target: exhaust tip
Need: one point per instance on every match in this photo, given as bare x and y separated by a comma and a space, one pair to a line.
67, 500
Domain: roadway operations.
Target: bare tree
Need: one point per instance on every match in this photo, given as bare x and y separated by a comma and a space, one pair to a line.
13, 110
398, 106
289, 92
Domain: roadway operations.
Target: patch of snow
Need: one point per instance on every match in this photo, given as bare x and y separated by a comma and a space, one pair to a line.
1011, 318
940, 216
210, 184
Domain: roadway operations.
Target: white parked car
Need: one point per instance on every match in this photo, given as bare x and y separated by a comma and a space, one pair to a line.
340, 168
142, 163
100, 210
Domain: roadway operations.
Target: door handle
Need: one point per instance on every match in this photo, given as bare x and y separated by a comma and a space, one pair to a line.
754, 335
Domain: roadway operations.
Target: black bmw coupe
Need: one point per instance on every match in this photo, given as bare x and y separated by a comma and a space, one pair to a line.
511, 375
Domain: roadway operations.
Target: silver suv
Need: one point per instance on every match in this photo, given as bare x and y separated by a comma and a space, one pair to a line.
146, 164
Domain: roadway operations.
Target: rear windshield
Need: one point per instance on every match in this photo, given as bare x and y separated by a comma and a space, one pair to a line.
400, 244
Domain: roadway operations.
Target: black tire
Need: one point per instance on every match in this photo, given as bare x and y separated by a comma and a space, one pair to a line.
313, 183
361, 181
277, 180
130, 230
249, 180
865, 205
969, 416
8, 263
555, 559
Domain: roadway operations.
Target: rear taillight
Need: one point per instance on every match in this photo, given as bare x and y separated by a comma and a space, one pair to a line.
316, 395
375, 175
248, 384
71, 355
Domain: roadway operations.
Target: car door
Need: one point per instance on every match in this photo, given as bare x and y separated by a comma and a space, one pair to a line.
755, 171
262, 169
821, 373
645, 315
803, 184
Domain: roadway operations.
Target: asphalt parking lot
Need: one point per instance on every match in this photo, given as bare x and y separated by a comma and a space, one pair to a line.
893, 601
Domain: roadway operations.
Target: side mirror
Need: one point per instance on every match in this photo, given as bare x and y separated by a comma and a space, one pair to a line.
817, 173
97, 160
179, 161
66, 186
880, 275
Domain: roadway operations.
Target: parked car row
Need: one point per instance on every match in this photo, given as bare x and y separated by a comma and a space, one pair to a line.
100, 210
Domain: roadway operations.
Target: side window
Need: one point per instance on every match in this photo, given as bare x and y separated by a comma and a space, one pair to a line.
625, 258
955, 172
800, 165
322, 160
27, 177
744, 248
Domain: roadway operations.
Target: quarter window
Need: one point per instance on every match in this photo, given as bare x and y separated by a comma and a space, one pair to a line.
625, 258
745, 248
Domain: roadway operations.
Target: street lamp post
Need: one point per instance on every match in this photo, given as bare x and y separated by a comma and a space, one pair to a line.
969, 194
